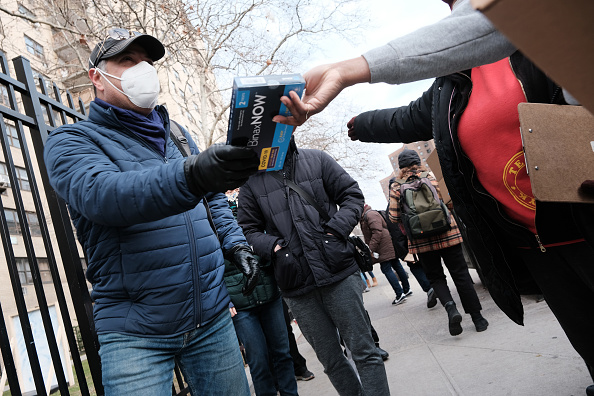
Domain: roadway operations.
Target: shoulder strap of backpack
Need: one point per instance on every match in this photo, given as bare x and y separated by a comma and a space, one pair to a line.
177, 136
302, 193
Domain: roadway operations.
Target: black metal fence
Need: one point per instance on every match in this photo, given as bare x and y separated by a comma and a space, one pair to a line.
25, 103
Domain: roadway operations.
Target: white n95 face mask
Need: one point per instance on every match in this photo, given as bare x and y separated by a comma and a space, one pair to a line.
140, 84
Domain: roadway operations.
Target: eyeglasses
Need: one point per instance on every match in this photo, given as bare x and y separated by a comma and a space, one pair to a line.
115, 34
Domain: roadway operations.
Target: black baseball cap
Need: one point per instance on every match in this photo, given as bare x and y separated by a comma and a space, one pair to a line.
119, 39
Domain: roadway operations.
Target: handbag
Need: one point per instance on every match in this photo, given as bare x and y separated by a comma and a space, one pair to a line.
362, 253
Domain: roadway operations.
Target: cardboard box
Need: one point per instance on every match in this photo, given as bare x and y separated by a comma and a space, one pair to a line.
433, 162
558, 36
254, 101
445, 194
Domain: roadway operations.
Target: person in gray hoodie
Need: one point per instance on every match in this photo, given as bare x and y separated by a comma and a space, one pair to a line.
461, 41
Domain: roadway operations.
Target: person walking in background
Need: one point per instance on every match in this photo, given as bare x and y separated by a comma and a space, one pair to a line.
369, 278
433, 249
314, 264
259, 323
378, 238
258, 319
400, 243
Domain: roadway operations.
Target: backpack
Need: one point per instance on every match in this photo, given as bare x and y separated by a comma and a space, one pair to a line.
423, 212
399, 239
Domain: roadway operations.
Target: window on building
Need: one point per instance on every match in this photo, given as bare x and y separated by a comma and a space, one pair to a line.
34, 48
195, 106
25, 11
190, 89
13, 136
181, 93
21, 175
426, 144
22, 178
14, 228
25, 275
33, 224
428, 150
12, 221
4, 99
176, 74
173, 84
4, 178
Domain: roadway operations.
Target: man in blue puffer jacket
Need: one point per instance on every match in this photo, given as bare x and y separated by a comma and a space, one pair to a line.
155, 228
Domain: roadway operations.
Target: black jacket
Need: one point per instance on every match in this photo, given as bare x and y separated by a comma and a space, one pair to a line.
489, 232
270, 213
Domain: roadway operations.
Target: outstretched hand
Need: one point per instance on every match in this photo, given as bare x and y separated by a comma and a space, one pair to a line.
322, 84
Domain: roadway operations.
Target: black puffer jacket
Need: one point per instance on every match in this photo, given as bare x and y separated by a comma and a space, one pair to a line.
490, 233
270, 213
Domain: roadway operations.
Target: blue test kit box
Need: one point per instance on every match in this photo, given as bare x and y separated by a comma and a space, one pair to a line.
254, 101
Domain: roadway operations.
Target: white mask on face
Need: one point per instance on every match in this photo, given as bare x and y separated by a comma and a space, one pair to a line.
140, 84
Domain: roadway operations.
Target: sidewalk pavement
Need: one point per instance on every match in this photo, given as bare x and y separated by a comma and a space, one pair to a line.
507, 359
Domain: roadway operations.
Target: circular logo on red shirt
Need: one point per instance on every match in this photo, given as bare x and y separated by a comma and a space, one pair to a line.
517, 182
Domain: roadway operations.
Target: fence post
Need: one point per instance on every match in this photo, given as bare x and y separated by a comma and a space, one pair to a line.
63, 229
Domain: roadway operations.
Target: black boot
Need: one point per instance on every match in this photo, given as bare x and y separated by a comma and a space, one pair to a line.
480, 323
454, 318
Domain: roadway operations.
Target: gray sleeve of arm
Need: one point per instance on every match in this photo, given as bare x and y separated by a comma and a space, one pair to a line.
461, 41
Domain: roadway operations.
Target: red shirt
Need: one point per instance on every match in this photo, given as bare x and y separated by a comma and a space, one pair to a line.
489, 133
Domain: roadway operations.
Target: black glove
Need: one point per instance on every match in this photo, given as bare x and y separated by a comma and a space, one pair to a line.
351, 129
220, 168
243, 258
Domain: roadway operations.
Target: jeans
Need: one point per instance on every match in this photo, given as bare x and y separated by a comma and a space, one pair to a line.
263, 333
419, 274
364, 280
368, 272
340, 306
208, 357
386, 267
